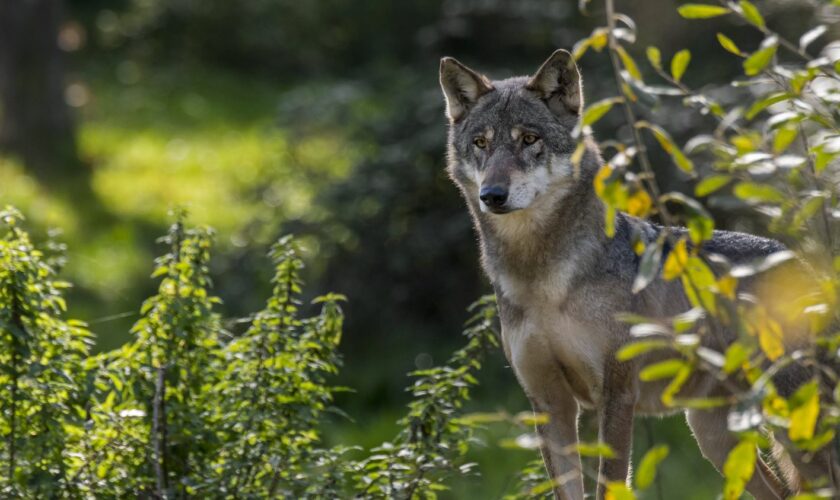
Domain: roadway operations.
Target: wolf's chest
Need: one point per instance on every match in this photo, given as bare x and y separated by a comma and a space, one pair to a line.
545, 343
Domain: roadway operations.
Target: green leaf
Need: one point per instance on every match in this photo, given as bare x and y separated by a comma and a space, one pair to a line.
664, 140
751, 13
784, 138
736, 355
595, 450
806, 409
762, 104
596, 110
758, 60
646, 472
728, 44
754, 192
661, 370
629, 63
711, 184
700, 224
679, 63
616, 490
738, 469
701, 11
654, 57
638, 348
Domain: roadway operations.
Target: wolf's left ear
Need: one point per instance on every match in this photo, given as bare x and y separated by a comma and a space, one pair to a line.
558, 83
461, 87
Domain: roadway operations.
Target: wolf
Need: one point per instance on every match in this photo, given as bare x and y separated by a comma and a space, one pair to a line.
560, 281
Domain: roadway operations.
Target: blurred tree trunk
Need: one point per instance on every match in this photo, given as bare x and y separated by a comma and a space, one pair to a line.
35, 121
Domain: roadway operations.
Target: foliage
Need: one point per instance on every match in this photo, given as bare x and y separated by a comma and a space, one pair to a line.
188, 409
774, 151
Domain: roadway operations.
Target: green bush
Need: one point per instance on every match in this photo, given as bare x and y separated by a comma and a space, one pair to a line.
189, 409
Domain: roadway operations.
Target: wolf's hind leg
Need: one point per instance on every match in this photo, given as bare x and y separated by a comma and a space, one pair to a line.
715, 441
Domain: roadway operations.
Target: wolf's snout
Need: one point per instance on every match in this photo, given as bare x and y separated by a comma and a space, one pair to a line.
493, 196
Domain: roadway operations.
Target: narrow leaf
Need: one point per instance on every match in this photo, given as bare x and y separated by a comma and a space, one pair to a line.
751, 13
728, 44
701, 11
679, 63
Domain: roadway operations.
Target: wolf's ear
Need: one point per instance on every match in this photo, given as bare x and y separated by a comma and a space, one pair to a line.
461, 87
557, 82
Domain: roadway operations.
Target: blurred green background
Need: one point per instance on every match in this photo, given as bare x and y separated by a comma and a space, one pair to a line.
321, 118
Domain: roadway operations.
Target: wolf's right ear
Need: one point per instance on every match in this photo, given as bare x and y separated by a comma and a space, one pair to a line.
558, 83
461, 87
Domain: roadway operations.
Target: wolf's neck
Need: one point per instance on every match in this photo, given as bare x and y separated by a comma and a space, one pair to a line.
529, 243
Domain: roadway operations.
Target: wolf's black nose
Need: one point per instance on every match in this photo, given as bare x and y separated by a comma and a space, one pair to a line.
493, 196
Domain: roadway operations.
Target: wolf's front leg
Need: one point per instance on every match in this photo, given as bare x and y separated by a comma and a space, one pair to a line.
559, 438
615, 426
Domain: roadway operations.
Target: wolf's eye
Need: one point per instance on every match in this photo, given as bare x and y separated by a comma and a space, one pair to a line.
480, 142
530, 139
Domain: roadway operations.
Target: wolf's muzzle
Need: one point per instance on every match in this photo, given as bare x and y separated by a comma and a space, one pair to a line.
493, 196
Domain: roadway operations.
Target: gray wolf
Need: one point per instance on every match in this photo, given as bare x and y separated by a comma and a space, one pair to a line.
560, 281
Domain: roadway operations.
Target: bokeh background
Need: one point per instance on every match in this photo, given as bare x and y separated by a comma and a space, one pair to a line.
324, 119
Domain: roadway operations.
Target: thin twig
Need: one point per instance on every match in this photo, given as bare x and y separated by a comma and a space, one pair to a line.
649, 177
159, 432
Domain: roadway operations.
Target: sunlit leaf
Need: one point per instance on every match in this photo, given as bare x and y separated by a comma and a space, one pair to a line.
701, 11
758, 60
676, 261
728, 44
751, 13
711, 184
617, 490
805, 404
754, 192
629, 63
661, 370
635, 349
738, 468
596, 110
646, 472
679, 63
654, 56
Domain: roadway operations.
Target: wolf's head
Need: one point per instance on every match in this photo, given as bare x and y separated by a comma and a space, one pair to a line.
510, 141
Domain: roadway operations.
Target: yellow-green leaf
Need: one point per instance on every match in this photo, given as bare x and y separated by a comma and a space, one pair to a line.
711, 184
770, 338
629, 63
596, 110
728, 44
654, 57
783, 138
759, 60
701, 11
661, 370
635, 349
617, 490
751, 13
646, 472
754, 192
738, 469
676, 261
803, 417
664, 140
595, 450
679, 63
